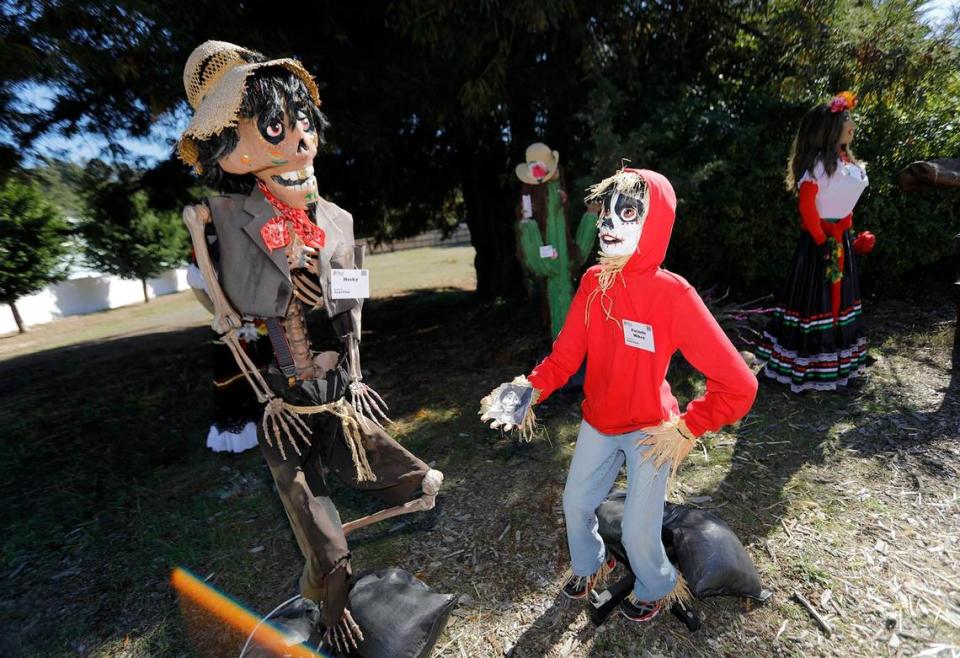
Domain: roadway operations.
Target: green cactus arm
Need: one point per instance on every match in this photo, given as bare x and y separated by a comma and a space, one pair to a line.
530, 243
586, 236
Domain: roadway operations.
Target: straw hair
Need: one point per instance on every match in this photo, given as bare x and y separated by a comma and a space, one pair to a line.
214, 79
625, 181
611, 268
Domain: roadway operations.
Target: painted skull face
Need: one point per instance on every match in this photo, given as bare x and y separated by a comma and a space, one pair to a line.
278, 148
621, 223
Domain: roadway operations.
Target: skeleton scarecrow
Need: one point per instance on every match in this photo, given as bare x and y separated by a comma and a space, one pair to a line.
283, 251
627, 319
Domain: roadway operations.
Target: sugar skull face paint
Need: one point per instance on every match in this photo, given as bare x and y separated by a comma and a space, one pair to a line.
280, 152
621, 223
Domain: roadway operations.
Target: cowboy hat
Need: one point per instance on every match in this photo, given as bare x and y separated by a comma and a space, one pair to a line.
214, 78
541, 164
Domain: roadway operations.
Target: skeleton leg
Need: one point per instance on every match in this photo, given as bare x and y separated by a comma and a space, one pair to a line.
432, 481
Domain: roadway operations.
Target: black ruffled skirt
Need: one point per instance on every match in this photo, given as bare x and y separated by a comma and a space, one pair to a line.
804, 345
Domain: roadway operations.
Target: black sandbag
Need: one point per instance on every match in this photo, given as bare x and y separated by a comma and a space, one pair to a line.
710, 555
399, 615
704, 548
610, 516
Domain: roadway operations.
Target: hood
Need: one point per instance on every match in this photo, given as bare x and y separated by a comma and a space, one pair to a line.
655, 237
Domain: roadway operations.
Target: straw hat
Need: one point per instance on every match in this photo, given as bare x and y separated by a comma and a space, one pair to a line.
541, 164
214, 78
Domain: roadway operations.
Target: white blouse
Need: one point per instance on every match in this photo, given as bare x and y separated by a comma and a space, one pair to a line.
839, 193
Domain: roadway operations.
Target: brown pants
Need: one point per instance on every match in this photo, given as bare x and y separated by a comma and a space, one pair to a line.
313, 516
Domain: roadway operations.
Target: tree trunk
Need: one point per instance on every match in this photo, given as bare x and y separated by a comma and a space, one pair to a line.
16, 318
146, 295
489, 214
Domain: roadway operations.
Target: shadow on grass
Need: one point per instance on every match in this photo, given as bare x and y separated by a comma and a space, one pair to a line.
545, 632
106, 482
785, 432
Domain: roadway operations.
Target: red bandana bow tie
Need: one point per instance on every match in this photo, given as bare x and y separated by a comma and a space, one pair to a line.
275, 233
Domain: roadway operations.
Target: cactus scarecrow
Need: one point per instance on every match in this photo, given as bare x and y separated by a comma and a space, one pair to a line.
546, 249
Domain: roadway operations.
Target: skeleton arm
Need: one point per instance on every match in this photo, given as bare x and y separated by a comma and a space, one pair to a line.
225, 317
278, 422
368, 403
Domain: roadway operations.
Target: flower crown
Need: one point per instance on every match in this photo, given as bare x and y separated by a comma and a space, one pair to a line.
843, 101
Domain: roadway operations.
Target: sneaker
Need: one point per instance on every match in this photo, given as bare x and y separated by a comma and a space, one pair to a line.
577, 587
639, 611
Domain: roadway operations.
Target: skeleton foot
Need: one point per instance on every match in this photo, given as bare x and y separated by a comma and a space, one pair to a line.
345, 636
431, 483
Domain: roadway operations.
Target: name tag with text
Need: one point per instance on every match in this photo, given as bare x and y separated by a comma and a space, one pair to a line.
638, 334
349, 284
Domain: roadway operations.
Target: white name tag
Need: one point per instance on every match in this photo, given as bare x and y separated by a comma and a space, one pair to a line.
527, 207
548, 251
349, 284
639, 335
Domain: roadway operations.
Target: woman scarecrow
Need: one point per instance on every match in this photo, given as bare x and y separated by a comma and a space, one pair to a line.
543, 234
627, 319
816, 339
282, 251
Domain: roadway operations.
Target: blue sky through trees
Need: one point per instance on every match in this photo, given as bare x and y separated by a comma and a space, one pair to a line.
158, 145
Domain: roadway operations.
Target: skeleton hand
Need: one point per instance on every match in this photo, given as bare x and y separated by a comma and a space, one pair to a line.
301, 256
345, 636
279, 423
368, 403
225, 318
324, 362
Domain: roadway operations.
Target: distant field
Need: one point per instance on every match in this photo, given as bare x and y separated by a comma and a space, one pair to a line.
392, 273
417, 269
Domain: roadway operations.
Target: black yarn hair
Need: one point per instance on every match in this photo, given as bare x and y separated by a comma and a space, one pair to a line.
817, 141
269, 91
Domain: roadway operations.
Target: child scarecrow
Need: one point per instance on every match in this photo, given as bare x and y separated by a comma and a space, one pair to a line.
627, 319
283, 251
543, 234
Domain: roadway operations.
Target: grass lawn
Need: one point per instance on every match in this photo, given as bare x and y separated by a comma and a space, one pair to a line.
850, 500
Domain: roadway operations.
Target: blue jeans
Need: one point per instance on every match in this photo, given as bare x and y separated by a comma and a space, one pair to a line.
593, 471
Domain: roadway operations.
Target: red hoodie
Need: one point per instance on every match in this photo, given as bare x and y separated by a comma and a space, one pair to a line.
625, 387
